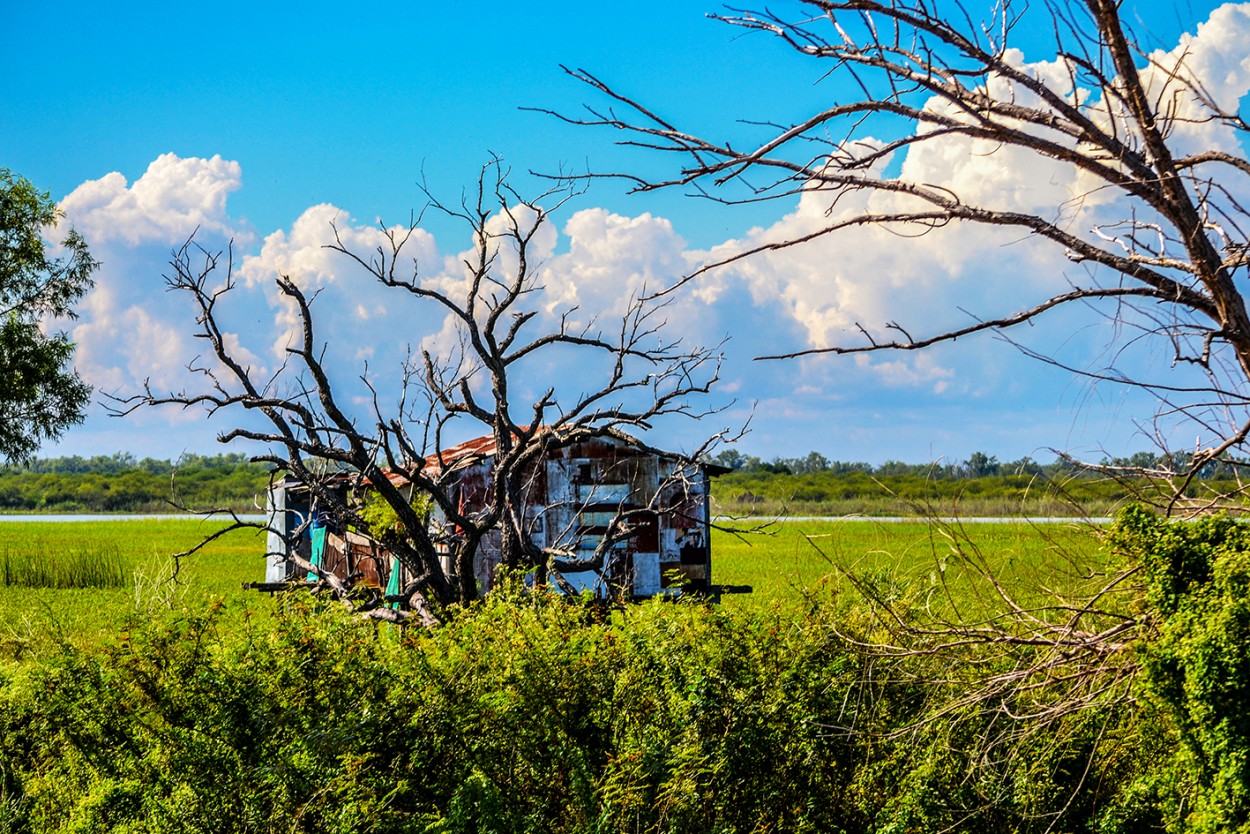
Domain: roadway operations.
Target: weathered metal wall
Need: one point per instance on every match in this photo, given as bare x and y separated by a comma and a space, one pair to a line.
588, 484
570, 501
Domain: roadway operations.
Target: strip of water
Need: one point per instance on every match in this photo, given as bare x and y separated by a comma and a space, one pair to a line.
918, 519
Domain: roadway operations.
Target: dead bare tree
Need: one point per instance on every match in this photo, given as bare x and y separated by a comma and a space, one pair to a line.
1156, 221
319, 442
1108, 112
1024, 663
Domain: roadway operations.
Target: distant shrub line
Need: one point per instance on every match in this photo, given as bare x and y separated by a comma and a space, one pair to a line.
979, 486
856, 493
121, 484
812, 485
978, 465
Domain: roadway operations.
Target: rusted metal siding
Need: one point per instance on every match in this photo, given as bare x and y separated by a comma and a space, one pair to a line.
685, 557
588, 484
357, 556
570, 500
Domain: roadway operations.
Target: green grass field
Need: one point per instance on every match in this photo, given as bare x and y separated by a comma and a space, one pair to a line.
33, 618
800, 559
785, 565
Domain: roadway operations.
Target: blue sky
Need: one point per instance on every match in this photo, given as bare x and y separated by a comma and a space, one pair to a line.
261, 122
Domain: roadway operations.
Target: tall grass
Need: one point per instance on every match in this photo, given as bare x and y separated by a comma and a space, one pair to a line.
784, 567
40, 616
92, 565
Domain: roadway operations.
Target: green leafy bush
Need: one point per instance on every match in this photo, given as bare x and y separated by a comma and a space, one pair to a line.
532, 713
1198, 665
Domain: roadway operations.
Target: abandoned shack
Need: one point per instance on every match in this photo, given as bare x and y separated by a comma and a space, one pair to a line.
571, 498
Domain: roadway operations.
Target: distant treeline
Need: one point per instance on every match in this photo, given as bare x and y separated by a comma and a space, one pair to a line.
978, 465
120, 483
979, 486
815, 485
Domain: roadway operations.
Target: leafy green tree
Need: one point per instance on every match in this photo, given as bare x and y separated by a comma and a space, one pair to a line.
981, 465
41, 395
815, 462
1024, 466
729, 458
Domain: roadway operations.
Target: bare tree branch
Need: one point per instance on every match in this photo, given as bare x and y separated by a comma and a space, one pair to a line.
1106, 110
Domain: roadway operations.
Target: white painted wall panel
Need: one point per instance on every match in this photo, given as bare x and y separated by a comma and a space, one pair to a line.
646, 573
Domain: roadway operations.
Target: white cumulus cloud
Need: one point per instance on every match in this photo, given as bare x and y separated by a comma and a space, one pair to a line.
173, 198
130, 328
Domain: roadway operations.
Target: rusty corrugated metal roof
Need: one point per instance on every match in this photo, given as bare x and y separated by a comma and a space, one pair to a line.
462, 454
479, 447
